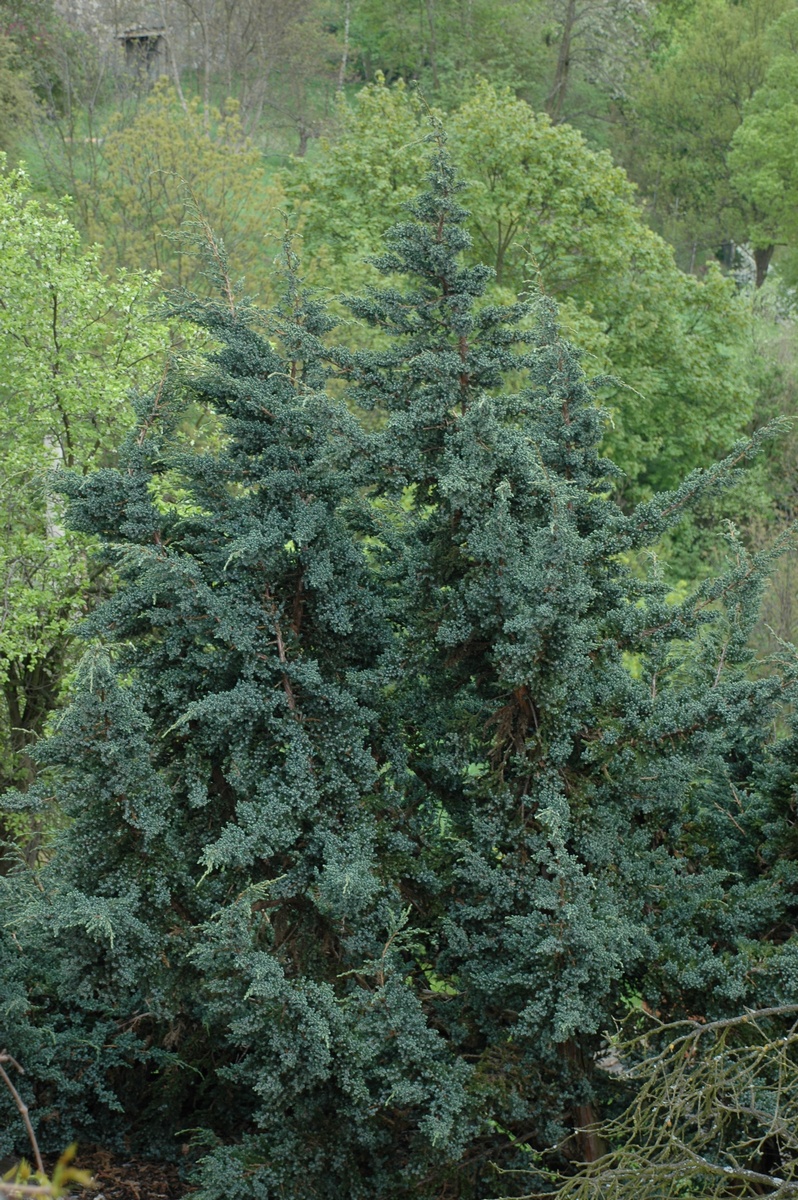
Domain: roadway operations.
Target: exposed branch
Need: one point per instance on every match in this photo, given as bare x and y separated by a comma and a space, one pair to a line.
22, 1107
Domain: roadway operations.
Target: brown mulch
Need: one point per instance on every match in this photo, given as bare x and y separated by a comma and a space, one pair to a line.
119, 1177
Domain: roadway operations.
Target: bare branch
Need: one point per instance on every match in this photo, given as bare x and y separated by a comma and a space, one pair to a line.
5, 1057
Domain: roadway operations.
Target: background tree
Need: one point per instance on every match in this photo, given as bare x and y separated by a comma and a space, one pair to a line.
275, 56
570, 59
16, 97
762, 150
597, 45
680, 118
443, 44
157, 171
30, 24
73, 344
300, 101
545, 206
73, 77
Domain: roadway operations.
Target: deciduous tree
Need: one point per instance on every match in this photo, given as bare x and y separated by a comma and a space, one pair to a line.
157, 172
762, 151
546, 209
681, 116
73, 344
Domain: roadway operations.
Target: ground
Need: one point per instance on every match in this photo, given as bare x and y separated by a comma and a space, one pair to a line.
119, 1177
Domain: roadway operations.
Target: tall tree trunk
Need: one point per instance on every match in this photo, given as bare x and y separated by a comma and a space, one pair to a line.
170, 47
589, 1141
433, 45
345, 51
762, 259
206, 85
556, 97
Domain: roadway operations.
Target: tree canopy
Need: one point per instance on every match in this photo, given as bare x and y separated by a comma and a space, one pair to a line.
397, 748
73, 345
171, 164
545, 209
396, 779
762, 153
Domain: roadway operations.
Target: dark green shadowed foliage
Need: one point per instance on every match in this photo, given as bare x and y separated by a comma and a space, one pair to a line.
587, 751
393, 777
218, 889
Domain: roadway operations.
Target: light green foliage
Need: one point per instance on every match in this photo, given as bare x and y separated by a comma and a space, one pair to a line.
682, 113
160, 170
346, 196
72, 345
546, 208
764, 149
544, 205
540, 200
573, 60
445, 43
64, 1178
16, 97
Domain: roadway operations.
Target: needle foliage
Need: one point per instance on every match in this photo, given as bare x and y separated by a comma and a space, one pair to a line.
393, 777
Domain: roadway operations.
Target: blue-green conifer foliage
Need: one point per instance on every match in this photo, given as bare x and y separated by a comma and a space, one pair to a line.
392, 778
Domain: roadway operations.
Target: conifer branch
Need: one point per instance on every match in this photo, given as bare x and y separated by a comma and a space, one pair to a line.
281, 654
